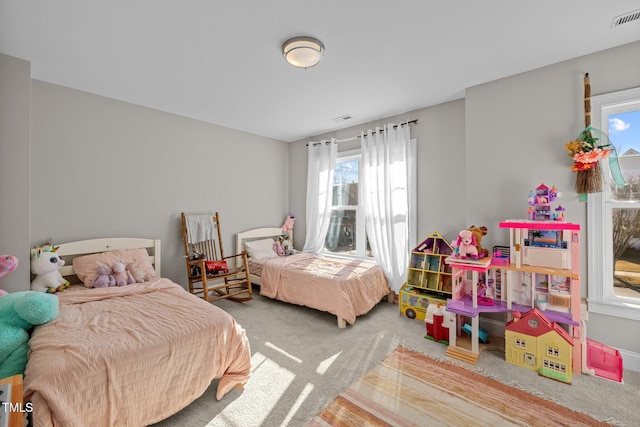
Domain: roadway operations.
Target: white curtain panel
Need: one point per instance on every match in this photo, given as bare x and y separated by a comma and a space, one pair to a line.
389, 198
320, 170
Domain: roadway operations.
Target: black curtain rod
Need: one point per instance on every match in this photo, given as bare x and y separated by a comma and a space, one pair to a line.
409, 122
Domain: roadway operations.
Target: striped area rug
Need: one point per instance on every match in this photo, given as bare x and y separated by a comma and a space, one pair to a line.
411, 389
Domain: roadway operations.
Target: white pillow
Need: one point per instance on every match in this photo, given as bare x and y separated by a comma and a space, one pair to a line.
261, 249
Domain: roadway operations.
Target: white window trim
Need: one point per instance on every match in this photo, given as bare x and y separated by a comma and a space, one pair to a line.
601, 298
360, 221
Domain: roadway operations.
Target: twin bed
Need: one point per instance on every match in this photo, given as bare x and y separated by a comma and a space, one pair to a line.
344, 287
136, 354
130, 355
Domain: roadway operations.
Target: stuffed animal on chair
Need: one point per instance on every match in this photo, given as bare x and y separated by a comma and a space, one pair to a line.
19, 312
465, 245
45, 264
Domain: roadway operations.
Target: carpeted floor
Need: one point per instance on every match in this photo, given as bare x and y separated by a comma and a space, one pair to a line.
302, 362
411, 389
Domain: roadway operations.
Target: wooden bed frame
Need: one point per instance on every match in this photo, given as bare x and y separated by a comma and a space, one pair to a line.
87, 247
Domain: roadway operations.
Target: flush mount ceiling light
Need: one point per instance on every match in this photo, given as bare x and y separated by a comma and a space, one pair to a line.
303, 52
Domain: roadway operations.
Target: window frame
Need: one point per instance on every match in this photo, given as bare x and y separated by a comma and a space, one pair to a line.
601, 296
361, 242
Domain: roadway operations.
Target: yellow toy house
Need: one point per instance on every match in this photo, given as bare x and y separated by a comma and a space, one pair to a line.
534, 342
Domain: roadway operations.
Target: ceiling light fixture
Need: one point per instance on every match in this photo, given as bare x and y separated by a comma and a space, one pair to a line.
303, 52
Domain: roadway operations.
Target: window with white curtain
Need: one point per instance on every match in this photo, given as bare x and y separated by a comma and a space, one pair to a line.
613, 216
346, 235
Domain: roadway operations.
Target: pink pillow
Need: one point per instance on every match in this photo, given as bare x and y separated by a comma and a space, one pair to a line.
86, 267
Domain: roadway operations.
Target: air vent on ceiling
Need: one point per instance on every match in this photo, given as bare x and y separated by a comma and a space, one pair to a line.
626, 18
343, 118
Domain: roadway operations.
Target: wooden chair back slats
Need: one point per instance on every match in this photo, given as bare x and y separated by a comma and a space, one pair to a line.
234, 284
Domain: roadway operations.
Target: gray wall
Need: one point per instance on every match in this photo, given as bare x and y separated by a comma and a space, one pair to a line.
478, 158
15, 84
104, 168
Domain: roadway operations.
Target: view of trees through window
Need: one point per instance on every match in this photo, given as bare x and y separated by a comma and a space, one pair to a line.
624, 133
347, 222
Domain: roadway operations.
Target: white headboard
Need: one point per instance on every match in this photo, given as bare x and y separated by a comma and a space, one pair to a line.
70, 250
259, 233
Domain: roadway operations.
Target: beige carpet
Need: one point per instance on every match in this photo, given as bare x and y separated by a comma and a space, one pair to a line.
411, 389
301, 362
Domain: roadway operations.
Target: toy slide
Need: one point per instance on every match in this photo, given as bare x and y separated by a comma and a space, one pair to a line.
482, 334
604, 361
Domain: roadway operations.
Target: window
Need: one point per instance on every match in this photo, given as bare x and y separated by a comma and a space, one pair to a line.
613, 216
346, 235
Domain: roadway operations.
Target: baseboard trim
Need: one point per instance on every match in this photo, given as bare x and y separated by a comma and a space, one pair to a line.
630, 360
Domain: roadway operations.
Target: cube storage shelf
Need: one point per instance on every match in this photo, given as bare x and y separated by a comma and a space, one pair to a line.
427, 269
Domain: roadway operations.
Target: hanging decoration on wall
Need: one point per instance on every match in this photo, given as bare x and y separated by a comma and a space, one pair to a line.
591, 146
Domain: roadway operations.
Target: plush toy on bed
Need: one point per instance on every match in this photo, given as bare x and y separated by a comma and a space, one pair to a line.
45, 264
120, 274
287, 227
135, 273
104, 279
19, 312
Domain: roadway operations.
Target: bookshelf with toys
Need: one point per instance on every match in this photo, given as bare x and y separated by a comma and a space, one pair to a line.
429, 278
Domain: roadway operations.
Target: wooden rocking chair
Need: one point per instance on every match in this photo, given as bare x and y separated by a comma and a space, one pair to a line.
212, 275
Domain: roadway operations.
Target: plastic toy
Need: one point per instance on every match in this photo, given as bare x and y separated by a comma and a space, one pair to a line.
534, 342
540, 204
45, 264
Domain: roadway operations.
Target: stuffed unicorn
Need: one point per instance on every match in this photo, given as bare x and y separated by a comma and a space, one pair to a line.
45, 264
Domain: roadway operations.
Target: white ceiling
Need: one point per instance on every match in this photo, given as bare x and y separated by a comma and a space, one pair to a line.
221, 62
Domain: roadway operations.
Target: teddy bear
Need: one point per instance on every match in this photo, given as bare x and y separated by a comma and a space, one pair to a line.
478, 232
19, 312
120, 273
135, 273
465, 245
8, 263
104, 279
45, 264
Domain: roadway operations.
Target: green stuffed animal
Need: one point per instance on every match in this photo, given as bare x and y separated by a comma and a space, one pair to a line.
19, 312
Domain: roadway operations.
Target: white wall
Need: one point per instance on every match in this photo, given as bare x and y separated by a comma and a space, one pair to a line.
105, 168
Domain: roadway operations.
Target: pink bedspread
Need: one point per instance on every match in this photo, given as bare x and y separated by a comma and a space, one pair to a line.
346, 288
131, 356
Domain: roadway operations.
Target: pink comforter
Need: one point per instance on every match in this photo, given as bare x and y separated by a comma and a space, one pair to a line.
346, 288
131, 356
